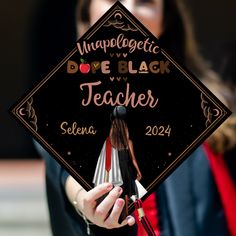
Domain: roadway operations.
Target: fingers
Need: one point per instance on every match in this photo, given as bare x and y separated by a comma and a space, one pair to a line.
98, 192
104, 207
112, 219
110, 223
107, 213
89, 199
117, 209
101, 213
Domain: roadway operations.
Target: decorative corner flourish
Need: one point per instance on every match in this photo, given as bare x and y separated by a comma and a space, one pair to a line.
208, 111
29, 112
118, 23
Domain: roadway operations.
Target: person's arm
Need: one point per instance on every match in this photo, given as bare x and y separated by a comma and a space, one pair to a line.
98, 214
131, 150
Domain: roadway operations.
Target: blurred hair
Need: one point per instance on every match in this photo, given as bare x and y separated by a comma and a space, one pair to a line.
178, 40
177, 37
224, 138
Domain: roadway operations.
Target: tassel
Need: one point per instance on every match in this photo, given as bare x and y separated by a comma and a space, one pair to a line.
143, 218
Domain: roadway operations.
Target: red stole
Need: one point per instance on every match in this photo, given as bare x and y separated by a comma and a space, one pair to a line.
225, 186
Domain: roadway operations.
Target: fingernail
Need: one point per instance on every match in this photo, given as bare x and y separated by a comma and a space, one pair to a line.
108, 186
118, 189
120, 202
130, 220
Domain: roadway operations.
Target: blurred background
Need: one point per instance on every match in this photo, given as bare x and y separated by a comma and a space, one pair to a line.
23, 209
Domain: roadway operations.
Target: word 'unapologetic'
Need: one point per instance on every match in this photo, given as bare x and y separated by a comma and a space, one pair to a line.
120, 42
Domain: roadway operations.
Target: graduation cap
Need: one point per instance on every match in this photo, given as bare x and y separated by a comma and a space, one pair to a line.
118, 69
